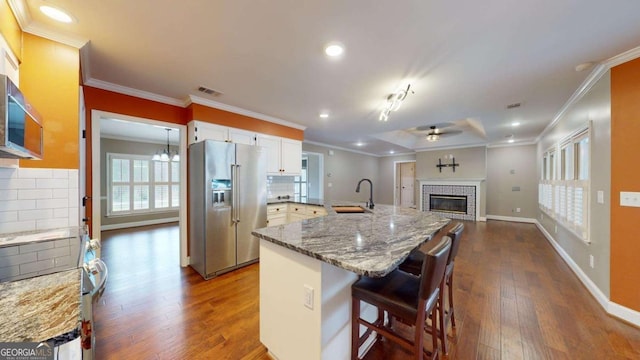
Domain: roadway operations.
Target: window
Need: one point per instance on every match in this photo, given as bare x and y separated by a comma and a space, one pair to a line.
300, 183
137, 184
564, 186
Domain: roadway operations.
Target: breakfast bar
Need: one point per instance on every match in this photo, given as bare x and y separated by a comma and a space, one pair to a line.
307, 268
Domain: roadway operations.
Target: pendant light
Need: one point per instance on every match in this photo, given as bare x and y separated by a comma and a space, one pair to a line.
166, 154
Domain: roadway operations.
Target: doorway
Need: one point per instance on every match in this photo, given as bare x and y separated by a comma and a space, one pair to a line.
404, 184
99, 183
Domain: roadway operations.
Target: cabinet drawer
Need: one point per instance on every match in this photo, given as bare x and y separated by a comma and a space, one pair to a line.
314, 211
297, 209
277, 209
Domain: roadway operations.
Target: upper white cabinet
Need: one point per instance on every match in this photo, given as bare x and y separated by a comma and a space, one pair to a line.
199, 131
284, 156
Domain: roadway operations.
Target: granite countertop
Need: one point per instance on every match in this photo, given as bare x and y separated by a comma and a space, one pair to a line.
39, 235
371, 243
40, 308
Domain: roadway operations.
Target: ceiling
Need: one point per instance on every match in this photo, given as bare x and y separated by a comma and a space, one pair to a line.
465, 60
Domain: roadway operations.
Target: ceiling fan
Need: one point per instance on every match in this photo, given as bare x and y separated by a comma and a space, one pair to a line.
434, 132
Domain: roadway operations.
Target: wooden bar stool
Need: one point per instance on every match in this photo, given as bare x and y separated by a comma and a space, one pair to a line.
403, 296
413, 265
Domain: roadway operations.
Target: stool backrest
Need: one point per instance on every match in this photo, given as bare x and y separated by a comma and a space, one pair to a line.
454, 233
433, 266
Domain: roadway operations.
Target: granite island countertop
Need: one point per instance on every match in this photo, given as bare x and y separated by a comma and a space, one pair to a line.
371, 243
40, 308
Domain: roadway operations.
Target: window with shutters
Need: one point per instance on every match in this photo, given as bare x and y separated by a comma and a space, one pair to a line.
136, 184
564, 184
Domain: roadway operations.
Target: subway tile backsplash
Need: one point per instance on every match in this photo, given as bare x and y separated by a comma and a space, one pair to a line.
38, 199
38, 258
279, 186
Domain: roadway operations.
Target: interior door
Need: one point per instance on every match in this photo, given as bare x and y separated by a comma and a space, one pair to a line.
407, 179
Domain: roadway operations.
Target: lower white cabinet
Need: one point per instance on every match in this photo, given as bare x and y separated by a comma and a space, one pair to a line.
280, 214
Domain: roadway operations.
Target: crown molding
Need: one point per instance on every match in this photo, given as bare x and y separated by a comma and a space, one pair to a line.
520, 143
623, 58
452, 147
20, 11
588, 83
85, 63
340, 148
398, 154
38, 30
104, 85
230, 108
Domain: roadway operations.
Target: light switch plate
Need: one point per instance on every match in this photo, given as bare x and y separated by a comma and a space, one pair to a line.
628, 198
600, 197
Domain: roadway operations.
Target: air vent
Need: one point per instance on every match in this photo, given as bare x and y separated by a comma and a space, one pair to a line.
209, 91
514, 105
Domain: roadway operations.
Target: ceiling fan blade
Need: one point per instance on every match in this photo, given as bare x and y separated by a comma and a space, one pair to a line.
437, 126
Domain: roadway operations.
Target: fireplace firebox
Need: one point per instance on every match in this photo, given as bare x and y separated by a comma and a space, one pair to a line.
448, 203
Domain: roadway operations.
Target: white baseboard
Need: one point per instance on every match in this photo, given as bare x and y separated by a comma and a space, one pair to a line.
624, 313
482, 218
138, 223
619, 311
512, 219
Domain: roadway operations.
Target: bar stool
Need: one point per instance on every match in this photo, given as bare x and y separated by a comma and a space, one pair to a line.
403, 296
413, 264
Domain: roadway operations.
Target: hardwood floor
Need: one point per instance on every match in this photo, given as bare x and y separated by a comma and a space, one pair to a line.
514, 296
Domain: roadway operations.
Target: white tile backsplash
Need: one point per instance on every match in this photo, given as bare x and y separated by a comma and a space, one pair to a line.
279, 186
38, 199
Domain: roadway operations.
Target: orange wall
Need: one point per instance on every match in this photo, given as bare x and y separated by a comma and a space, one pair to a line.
98, 99
625, 176
10, 29
49, 79
216, 116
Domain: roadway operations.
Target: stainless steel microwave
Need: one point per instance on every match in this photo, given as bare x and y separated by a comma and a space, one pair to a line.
21, 135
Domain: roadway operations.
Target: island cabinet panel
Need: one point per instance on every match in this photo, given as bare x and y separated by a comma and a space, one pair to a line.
315, 211
289, 328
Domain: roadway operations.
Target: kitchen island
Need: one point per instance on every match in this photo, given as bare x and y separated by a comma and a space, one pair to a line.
307, 268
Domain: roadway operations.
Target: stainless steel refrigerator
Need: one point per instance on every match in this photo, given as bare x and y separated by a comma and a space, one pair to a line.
227, 200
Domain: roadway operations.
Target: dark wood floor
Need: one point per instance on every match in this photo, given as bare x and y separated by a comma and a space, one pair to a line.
515, 299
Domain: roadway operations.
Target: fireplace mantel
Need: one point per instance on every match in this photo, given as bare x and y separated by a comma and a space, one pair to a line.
476, 183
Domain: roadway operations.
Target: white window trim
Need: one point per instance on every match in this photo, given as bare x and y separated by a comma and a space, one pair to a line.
151, 209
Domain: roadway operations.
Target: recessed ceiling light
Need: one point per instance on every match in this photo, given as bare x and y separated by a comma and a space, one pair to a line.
324, 115
56, 14
515, 123
391, 152
359, 144
334, 50
510, 141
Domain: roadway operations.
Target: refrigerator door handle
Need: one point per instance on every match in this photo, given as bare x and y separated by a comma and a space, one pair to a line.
233, 193
237, 185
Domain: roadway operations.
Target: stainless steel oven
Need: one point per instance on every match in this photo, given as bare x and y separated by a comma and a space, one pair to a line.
94, 281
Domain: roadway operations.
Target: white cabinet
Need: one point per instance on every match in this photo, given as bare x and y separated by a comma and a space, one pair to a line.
199, 131
284, 156
277, 214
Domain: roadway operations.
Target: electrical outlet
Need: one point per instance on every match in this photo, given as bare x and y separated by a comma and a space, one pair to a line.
600, 196
541, 217
329, 185
308, 296
556, 229
628, 198
591, 261
517, 210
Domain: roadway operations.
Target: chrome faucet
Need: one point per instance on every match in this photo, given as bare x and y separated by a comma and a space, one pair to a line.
370, 202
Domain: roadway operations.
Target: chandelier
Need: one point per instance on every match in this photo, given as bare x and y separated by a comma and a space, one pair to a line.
166, 154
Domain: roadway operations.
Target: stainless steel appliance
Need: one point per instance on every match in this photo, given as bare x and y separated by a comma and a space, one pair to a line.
94, 281
20, 128
227, 200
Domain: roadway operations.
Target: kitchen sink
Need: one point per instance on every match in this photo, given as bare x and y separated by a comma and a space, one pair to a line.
349, 209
